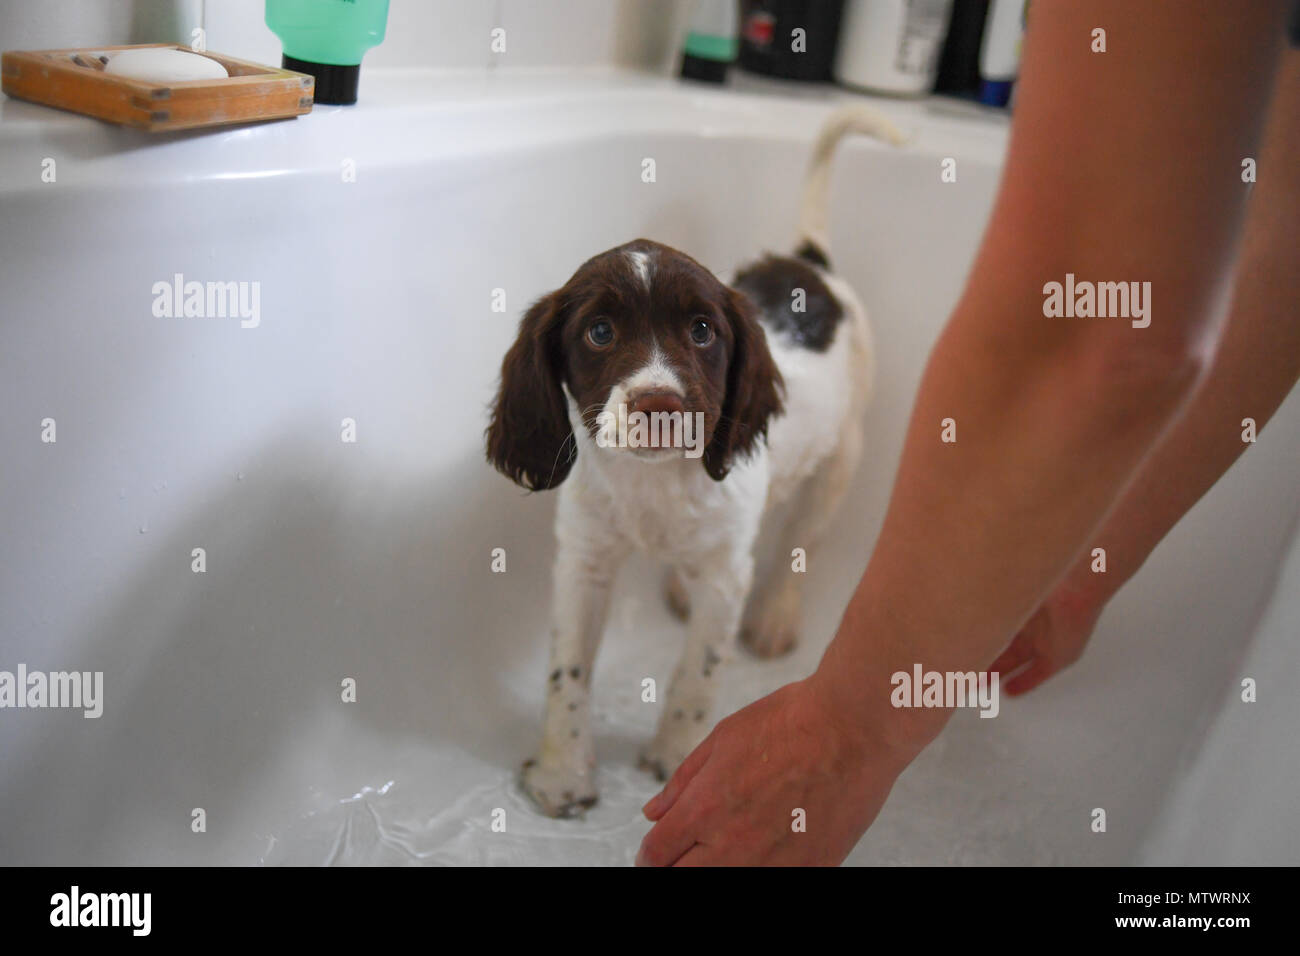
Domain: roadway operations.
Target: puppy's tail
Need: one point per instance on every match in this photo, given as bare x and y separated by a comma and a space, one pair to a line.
813, 243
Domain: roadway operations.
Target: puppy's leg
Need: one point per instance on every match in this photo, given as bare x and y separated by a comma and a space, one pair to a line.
717, 597
773, 615
561, 780
676, 596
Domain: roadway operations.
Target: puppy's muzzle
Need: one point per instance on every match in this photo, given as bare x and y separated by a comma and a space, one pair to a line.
662, 403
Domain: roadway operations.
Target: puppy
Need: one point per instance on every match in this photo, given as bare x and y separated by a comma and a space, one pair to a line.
674, 412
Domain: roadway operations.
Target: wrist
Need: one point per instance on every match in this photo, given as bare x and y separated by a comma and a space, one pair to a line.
857, 707
1085, 591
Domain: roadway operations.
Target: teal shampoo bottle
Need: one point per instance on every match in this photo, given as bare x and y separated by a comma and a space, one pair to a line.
327, 39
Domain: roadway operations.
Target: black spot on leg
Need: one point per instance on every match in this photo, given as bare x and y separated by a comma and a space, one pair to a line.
575, 672
678, 714
556, 674
711, 659
573, 705
699, 715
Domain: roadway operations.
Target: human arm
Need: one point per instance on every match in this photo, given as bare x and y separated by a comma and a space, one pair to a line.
1256, 366
1122, 166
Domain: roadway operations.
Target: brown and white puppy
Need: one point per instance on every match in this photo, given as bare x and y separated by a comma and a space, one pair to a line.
674, 411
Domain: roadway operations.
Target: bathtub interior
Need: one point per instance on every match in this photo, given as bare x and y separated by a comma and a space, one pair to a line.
371, 560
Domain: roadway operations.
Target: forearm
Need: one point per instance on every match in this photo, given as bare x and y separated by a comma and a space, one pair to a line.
1257, 364
1054, 415
978, 530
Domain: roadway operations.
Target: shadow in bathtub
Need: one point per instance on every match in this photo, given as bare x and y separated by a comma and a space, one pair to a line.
223, 689
316, 572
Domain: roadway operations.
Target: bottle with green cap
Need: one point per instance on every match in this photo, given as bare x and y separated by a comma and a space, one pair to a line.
327, 39
712, 41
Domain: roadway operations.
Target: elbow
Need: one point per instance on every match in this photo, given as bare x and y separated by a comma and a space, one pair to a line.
1144, 378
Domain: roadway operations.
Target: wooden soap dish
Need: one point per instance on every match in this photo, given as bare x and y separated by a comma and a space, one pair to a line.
75, 80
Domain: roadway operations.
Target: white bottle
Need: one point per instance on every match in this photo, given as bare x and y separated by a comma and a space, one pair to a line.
891, 46
1000, 51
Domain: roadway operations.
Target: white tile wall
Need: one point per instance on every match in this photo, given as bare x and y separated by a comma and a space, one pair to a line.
47, 24
445, 33
548, 32
238, 27
441, 33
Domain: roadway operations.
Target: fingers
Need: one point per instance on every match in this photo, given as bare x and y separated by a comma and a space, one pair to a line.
674, 831
668, 840
1031, 677
1023, 649
663, 801
1017, 655
698, 855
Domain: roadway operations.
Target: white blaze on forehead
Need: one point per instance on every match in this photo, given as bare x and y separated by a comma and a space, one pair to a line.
640, 262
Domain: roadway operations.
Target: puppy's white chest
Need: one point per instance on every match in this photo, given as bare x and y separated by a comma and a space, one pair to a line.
674, 511
660, 519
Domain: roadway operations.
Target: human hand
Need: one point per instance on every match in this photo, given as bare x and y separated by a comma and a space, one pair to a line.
734, 800
1051, 640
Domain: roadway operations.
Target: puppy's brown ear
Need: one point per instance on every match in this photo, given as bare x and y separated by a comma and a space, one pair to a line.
529, 439
754, 389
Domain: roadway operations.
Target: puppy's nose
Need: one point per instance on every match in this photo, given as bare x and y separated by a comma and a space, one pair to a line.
660, 401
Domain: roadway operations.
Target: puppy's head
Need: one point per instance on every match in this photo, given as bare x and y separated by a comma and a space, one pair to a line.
640, 335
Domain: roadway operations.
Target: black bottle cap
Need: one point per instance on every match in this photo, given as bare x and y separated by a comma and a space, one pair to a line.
704, 70
334, 84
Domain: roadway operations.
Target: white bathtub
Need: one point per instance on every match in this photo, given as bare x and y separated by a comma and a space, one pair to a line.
370, 560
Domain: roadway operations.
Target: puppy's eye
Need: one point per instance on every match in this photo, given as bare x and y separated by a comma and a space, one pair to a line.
600, 334
701, 332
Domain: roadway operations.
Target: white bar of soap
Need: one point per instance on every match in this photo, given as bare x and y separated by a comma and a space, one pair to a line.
164, 66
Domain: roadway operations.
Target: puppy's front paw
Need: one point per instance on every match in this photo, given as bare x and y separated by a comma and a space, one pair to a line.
768, 643
558, 791
666, 752
654, 766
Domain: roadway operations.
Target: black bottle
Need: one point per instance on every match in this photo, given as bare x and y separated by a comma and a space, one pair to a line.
959, 63
770, 45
